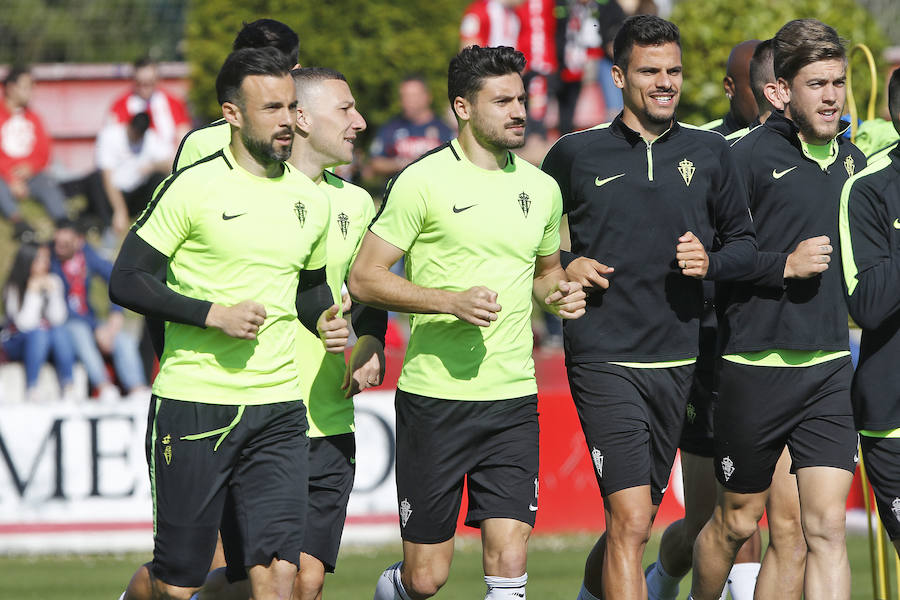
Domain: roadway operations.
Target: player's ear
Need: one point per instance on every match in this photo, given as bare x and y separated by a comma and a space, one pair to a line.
303, 121
461, 108
618, 76
783, 89
728, 84
232, 113
770, 90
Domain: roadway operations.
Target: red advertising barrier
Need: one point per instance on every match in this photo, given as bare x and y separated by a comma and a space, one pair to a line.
570, 499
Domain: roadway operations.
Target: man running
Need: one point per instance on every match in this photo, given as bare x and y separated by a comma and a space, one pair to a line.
646, 195
785, 370
480, 231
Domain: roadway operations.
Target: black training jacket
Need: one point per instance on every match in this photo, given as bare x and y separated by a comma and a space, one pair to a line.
627, 202
870, 244
791, 199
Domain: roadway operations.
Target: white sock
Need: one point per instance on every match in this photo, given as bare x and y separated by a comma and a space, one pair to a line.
586, 595
122, 597
660, 584
389, 586
742, 580
505, 588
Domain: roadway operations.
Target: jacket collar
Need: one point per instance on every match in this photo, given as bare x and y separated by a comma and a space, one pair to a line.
620, 129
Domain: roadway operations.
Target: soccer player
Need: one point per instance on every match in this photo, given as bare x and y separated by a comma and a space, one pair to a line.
262, 33
869, 224
327, 125
677, 543
480, 231
646, 195
742, 109
230, 252
785, 371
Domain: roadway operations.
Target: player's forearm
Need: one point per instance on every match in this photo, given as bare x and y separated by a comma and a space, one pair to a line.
877, 294
113, 194
378, 287
545, 283
384, 165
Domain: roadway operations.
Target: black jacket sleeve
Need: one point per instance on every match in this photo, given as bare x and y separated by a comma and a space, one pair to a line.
736, 256
871, 267
313, 298
138, 282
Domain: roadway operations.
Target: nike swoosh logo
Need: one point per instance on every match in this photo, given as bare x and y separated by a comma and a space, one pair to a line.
896, 223
459, 210
598, 182
229, 217
778, 175
532, 508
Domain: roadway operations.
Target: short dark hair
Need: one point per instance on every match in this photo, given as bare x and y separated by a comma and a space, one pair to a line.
473, 64
144, 61
14, 74
762, 72
140, 123
415, 77
894, 96
644, 30
308, 76
269, 33
802, 42
244, 62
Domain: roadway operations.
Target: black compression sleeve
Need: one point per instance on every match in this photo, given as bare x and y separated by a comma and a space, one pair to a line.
368, 320
566, 258
138, 282
313, 298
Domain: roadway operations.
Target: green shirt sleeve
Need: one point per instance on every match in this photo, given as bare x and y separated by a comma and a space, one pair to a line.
168, 223
318, 254
550, 241
403, 215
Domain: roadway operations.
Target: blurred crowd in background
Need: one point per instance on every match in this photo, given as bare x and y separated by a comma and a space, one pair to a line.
64, 233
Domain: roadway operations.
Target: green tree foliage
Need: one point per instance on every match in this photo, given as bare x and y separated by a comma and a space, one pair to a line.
710, 28
374, 43
89, 30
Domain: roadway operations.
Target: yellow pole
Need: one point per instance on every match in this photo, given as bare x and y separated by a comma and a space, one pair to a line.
878, 591
873, 95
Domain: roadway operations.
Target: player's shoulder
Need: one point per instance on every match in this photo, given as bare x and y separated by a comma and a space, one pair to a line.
747, 143
877, 177
432, 165
202, 141
572, 143
702, 134
344, 191
532, 174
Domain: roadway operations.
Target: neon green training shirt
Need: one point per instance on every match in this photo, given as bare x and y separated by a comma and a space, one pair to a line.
231, 236
463, 226
321, 373
201, 142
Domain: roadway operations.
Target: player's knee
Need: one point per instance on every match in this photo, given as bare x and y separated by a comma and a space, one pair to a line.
825, 527
164, 591
308, 584
740, 523
425, 581
630, 526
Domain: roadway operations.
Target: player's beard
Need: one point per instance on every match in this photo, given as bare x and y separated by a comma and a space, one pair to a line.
492, 135
814, 132
660, 116
268, 151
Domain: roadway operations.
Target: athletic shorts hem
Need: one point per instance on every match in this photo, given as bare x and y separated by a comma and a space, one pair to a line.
743, 489
475, 519
421, 540
843, 467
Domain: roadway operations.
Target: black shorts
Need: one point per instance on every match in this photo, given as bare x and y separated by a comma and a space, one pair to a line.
256, 464
632, 420
760, 409
332, 467
492, 445
697, 434
881, 456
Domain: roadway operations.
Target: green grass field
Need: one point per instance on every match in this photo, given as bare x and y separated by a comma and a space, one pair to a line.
554, 572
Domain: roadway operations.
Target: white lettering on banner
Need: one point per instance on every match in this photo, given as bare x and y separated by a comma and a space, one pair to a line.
73, 477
